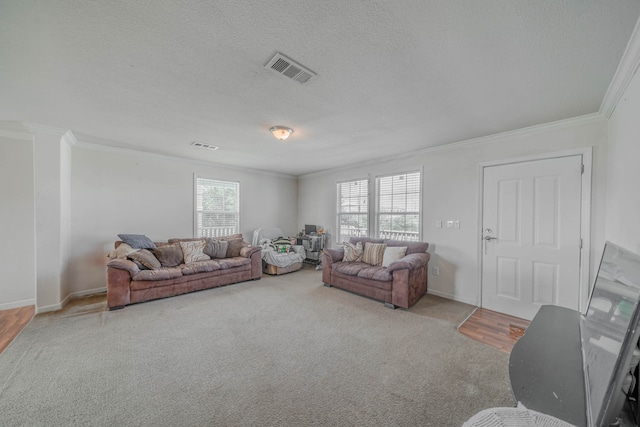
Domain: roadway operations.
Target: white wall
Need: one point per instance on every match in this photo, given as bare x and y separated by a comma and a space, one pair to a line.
623, 177
122, 191
52, 196
17, 223
450, 192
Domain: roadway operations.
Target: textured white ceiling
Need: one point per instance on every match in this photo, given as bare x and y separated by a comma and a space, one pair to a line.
393, 76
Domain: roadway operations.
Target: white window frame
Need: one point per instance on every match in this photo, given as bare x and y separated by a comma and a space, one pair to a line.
339, 237
384, 234
198, 230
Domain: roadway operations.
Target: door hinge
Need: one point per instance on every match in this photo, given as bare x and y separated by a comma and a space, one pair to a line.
582, 168
580, 243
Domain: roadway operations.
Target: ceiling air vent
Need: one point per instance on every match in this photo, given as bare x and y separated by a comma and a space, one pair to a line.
207, 146
287, 67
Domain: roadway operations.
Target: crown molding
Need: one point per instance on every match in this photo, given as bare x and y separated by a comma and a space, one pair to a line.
108, 148
519, 133
626, 70
25, 131
44, 129
15, 130
69, 138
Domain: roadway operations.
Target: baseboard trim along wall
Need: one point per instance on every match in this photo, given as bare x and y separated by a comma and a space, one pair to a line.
72, 295
17, 304
450, 296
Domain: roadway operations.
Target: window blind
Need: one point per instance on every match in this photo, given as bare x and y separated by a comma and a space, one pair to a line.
353, 209
217, 208
397, 212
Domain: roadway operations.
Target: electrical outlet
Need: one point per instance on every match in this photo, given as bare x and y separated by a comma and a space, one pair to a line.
436, 270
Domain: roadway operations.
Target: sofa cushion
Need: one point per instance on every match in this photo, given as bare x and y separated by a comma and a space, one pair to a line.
137, 241
234, 247
233, 262
169, 255
392, 253
373, 253
412, 247
146, 258
193, 251
216, 248
352, 253
159, 274
349, 268
200, 267
376, 273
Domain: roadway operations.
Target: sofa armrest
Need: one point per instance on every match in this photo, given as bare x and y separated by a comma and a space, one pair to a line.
118, 283
124, 264
334, 254
410, 262
247, 251
254, 253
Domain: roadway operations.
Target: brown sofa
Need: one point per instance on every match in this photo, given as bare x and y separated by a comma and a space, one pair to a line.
401, 284
128, 284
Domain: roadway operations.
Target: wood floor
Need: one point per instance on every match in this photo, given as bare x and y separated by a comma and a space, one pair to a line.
13, 321
495, 329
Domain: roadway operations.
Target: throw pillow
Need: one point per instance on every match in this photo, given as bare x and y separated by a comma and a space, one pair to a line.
234, 247
393, 253
373, 253
194, 251
121, 251
281, 241
230, 237
146, 258
216, 248
169, 255
352, 253
137, 241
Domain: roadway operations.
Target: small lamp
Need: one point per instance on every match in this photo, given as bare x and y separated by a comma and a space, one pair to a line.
281, 132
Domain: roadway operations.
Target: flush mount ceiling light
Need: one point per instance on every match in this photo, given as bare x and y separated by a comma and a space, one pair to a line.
281, 132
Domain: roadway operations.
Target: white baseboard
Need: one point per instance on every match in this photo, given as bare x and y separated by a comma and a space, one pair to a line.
17, 304
87, 292
72, 295
450, 296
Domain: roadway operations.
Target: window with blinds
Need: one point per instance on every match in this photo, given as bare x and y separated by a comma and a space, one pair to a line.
397, 214
353, 209
217, 208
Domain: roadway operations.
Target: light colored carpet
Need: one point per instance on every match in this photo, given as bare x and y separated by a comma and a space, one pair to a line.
442, 308
279, 351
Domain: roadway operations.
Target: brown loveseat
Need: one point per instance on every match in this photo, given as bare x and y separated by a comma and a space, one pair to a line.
128, 284
401, 284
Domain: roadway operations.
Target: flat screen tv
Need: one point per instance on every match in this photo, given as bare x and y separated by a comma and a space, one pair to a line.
609, 333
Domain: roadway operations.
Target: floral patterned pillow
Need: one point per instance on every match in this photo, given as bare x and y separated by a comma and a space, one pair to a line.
194, 251
352, 253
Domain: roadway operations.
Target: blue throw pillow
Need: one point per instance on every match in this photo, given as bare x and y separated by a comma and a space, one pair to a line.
137, 241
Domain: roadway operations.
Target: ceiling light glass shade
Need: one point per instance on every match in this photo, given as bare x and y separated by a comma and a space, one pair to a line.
281, 132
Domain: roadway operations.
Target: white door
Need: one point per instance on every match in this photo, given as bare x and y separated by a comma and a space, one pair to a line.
531, 235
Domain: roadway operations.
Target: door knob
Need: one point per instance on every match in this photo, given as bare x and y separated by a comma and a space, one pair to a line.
490, 238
